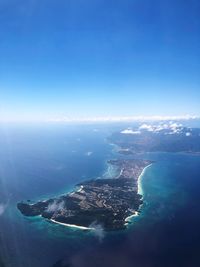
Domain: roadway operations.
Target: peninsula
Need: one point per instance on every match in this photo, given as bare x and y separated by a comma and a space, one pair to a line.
163, 137
110, 202
104, 201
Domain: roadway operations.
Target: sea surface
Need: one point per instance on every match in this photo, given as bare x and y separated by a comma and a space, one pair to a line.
43, 161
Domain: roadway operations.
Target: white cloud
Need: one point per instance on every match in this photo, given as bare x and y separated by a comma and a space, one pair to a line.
188, 134
147, 127
55, 206
2, 208
89, 153
172, 127
129, 131
98, 230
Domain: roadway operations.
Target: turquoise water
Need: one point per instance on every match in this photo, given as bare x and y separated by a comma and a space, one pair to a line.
37, 163
163, 185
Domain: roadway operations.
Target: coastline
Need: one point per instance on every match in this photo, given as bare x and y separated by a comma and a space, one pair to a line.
126, 169
80, 189
127, 219
139, 191
72, 225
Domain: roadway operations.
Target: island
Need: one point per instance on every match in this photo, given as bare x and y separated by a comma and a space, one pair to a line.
108, 202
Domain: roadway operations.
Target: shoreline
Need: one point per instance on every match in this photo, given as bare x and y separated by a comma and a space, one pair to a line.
139, 191
80, 189
130, 212
127, 219
72, 225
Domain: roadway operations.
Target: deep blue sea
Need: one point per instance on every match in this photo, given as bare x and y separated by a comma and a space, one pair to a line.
42, 161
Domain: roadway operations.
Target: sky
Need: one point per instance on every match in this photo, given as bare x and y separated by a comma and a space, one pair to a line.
98, 58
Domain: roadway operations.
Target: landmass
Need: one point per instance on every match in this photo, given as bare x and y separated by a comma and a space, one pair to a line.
104, 201
109, 202
166, 137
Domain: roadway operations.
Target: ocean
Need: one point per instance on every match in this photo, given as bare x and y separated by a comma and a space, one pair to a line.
42, 161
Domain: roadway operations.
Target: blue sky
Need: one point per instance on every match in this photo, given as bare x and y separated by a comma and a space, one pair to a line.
85, 58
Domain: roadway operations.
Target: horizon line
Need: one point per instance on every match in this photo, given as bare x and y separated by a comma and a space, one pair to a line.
124, 118
104, 119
